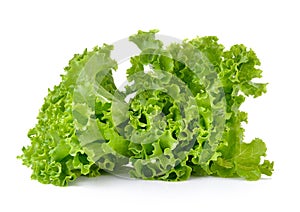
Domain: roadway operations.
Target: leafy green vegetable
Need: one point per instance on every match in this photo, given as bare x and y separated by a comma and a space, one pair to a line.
181, 118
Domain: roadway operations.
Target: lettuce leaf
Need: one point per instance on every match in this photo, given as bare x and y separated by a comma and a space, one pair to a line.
55, 154
184, 118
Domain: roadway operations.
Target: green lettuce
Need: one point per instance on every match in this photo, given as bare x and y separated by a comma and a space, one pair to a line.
184, 119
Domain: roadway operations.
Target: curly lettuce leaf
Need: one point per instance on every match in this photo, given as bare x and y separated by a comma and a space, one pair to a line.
161, 133
55, 154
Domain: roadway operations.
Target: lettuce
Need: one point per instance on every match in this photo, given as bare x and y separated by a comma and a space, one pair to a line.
181, 117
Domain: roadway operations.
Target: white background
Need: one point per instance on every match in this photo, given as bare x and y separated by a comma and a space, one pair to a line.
37, 38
